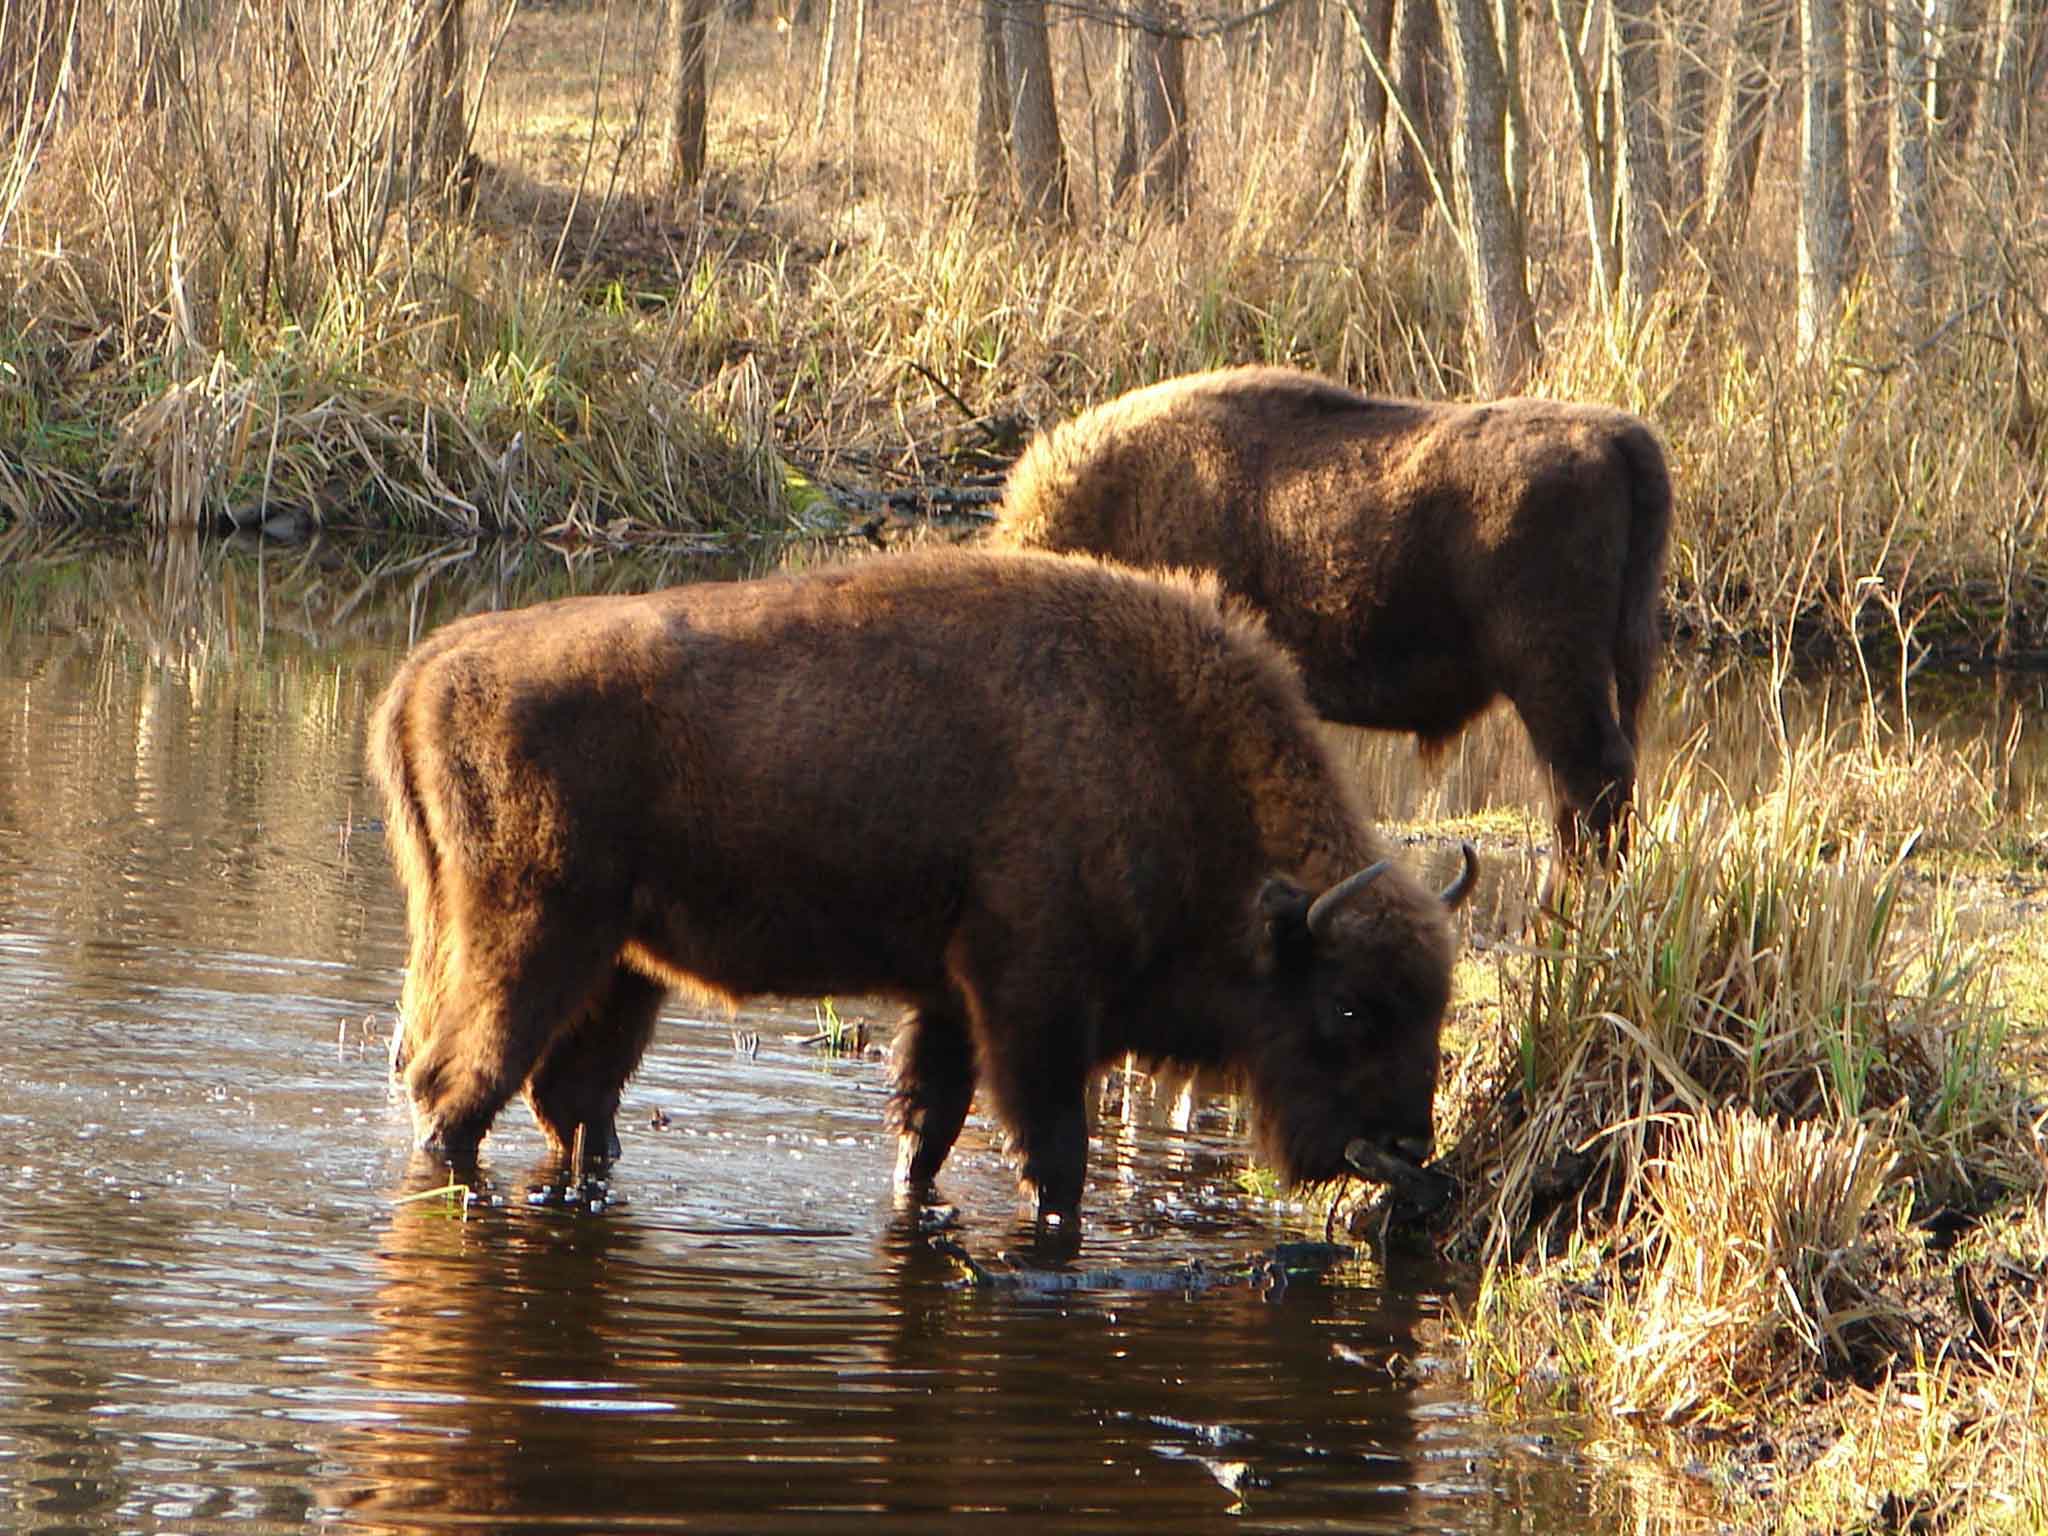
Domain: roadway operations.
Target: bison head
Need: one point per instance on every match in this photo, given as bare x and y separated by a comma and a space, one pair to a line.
1358, 979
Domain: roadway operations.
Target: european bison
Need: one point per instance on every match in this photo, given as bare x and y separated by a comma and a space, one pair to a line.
1064, 810
1419, 560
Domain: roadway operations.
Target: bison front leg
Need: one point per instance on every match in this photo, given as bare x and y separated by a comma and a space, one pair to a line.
584, 1070
1037, 1076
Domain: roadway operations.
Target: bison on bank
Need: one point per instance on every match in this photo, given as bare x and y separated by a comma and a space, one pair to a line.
1419, 560
1064, 810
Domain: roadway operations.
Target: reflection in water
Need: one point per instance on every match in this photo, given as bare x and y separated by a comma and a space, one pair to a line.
212, 1315
524, 1364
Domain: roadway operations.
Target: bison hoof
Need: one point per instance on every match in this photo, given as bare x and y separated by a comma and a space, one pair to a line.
458, 1149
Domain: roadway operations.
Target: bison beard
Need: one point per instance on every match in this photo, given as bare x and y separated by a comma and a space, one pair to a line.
1065, 811
1419, 560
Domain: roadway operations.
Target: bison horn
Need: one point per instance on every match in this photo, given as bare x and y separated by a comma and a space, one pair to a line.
1456, 892
1326, 905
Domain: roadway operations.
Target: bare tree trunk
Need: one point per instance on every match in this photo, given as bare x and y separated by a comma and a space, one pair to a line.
1574, 20
1866, 105
1367, 131
1507, 31
856, 74
1689, 43
1040, 156
1912, 74
686, 37
828, 48
1502, 318
1420, 81
1152, 148
1823, 184
1759, 42
1957, 53
991, 103
437, 128
2002, 147
1645, 169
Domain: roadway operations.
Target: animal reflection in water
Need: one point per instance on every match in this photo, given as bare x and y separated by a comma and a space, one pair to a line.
546, 1370
1066, 810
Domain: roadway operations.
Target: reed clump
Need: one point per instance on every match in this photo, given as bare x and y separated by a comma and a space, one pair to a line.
1750, 1126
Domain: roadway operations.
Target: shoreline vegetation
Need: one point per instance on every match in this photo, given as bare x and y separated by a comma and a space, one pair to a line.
1753, 1134
224, 309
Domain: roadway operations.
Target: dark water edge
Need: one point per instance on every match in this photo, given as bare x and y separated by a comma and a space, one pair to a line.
216, 1313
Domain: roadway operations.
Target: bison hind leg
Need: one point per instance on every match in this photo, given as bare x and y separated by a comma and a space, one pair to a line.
932, 1085
584, 1070
1592, 769
491, 1027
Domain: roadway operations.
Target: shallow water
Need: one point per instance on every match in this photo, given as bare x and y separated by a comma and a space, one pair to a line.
219, 1311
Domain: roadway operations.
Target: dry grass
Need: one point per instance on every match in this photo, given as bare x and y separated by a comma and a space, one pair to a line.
219, 299
1756, 954
1722, 1131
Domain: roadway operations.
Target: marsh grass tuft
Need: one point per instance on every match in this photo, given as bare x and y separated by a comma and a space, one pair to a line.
1719, 1135
1754, 1265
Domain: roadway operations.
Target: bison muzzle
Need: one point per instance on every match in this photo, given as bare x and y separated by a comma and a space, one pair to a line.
1420, 560
1064, 810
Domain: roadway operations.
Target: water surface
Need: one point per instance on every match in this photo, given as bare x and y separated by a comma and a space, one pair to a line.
218, 1310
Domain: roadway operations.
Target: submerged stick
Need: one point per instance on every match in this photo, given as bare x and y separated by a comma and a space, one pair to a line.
1427, 1189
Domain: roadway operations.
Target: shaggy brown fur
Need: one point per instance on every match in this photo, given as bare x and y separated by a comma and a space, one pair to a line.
1063, 809
1420, 560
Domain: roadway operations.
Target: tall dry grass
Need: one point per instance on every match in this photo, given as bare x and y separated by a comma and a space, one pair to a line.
1754, 1148
209, 277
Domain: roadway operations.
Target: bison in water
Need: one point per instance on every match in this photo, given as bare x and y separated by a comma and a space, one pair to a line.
1419, 560
1062, 809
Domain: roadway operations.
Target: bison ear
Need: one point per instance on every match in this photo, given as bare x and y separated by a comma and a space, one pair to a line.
1284, 939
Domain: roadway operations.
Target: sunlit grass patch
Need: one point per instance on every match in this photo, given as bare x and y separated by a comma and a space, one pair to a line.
1754, 1265
1750, 955
1738, 1099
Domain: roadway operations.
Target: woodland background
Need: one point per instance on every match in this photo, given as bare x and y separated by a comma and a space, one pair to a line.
605, 271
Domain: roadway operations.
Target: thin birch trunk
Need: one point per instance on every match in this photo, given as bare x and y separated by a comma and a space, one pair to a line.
1572, 20
1823, 182
828, 50
1912, 76
1645, 181
685, 39
1746, 106
1503, 320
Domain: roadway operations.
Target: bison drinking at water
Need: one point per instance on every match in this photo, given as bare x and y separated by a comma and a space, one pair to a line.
1419, 560
1064, 810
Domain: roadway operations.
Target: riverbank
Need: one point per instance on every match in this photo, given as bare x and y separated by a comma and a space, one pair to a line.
1753, 1148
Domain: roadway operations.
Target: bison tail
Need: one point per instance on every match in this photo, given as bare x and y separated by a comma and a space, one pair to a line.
428, 963
1642, 586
